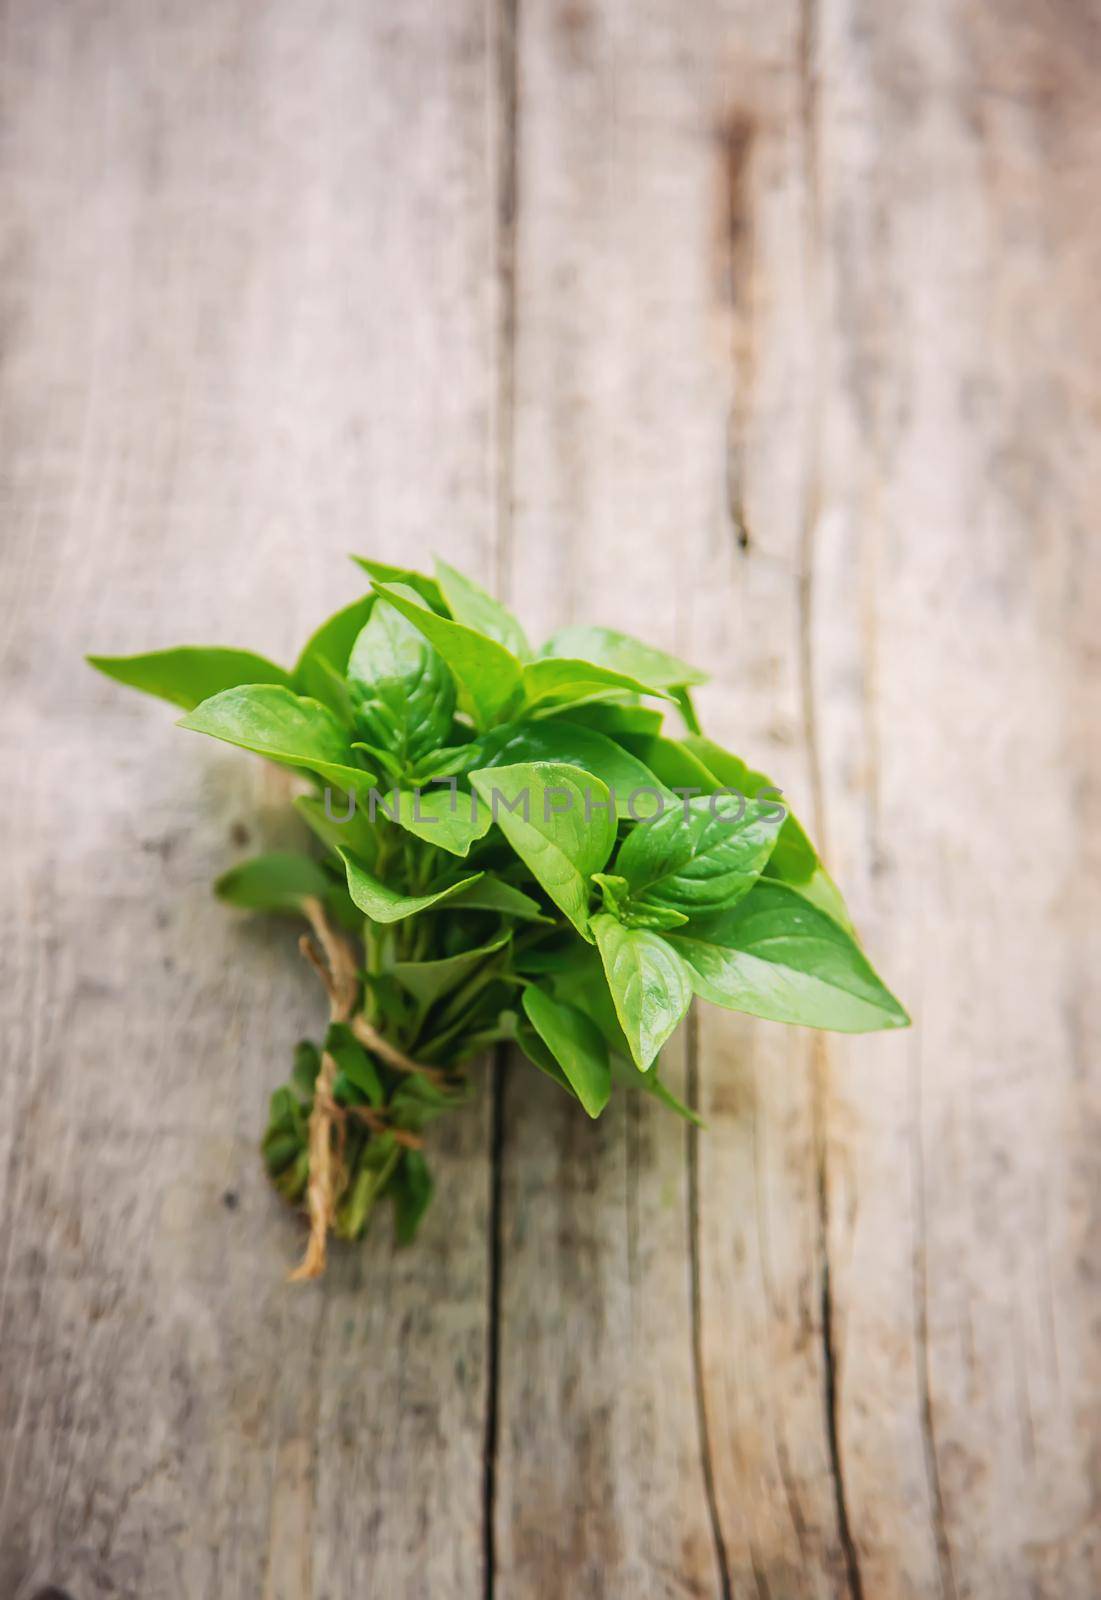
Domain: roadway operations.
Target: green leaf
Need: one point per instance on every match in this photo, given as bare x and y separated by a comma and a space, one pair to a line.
470, 604
489, 676
285, 727
307, 1064
616, 894
576, 1044
673, 763
324, 660
429, 981
614, 720
620, 653
794, 860
494, 894
420, 582
453, 822
557, 739
342, 824
576, 680
687, 708
189, 674
403, 694
575, 973
412, 1189
698, 856
776, 955
275, 882
649, 983
354, 1062
561, 827
383, 904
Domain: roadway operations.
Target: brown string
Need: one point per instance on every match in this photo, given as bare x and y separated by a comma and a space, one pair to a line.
336, 966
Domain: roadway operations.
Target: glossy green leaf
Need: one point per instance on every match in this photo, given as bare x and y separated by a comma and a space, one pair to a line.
699, 855
794, 860
278, 881
324, 660
613, 719
558, 739
284, 727
489, 676
189, 674
429, 981
620, 653
619, 902
470, 604
383, 904
649, 983
412, 1189
494, 894
575, 1042
558, 820
548, 680
402, 693
420, 582
452, 822
340, 822
776, 955
356, 1065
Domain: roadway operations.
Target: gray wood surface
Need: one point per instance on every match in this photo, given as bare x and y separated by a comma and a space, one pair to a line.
769, 331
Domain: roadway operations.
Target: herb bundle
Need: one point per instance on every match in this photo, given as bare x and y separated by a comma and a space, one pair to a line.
511, 846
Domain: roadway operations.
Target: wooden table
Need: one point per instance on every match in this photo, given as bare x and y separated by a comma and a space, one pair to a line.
768, 329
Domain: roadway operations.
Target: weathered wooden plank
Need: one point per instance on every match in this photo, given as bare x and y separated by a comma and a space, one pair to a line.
245, 252
632, 365
952, 676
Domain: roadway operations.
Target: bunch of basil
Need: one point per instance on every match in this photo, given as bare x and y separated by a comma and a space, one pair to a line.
523, 854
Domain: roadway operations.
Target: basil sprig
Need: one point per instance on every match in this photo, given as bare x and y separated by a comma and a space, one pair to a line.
510, 844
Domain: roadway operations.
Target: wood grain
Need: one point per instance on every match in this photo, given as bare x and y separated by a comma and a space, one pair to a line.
246, 331
769, 332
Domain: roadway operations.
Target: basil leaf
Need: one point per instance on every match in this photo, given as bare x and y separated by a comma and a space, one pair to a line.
489, 676
452, 821
649, 983
420, 582
794, 860
699, 856
776, 955
285, 727
557, 739
672, 762
383, 904
616, 894
403, 694
428, 981
189, 674
612, 719
275, 882
412, 1189
354, 1062
494, 894
620, 653
576, 680
342, 825
561, 827
687, 707
469, 604
324, 659
576, 1044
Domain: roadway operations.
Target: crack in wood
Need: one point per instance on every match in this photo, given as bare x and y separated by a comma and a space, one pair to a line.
703, 1428
506, 119
921, 1335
